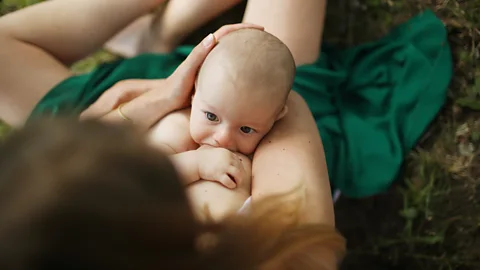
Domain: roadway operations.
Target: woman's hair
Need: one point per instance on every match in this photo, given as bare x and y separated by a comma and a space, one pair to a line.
94, 196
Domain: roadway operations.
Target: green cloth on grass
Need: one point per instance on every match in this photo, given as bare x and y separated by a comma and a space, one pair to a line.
371, 103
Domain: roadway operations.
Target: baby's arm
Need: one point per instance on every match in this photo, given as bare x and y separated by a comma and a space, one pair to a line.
211, 201
212, 164
172, 136
187, 165
217, 166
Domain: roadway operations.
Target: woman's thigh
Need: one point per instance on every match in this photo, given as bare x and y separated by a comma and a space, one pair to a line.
298, 23
26, 75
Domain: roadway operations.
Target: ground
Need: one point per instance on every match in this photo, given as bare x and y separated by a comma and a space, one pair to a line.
430, 218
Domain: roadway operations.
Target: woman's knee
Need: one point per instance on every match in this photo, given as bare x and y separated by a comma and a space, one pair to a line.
299, 24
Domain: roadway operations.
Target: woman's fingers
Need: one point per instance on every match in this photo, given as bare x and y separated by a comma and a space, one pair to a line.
179, 84
226, 29
200, 52
184, 76
123, 91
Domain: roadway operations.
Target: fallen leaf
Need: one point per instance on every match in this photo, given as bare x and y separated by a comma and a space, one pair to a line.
466, 149
469, 102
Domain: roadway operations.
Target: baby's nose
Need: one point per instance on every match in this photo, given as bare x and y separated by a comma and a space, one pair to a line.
225, 139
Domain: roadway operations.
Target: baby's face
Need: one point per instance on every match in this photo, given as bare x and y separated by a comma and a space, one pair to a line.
231, 114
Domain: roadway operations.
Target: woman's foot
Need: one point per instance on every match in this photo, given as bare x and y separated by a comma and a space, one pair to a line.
142, 35
127, 42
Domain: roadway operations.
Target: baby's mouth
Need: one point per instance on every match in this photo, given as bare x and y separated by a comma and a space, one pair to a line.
208, 145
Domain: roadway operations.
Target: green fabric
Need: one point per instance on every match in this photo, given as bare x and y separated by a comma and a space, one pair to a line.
371, 103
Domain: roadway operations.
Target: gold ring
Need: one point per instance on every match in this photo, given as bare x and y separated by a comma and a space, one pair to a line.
119, 110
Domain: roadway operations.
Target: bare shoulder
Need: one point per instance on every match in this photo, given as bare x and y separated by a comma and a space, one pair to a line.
292, 156
173, 133
297, 123
180, 117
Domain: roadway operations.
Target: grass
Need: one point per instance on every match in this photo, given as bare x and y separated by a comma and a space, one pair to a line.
430, 218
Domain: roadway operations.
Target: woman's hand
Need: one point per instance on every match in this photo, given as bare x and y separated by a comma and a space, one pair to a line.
122, 92
147, 101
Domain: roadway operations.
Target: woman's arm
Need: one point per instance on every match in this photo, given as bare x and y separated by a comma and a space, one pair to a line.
37, 42
148, 101
291, 157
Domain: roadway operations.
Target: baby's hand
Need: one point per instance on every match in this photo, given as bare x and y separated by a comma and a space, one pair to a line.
221, 165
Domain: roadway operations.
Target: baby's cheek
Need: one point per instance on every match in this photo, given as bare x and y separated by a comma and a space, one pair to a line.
201, 133
250, 146
196, 133
195, 129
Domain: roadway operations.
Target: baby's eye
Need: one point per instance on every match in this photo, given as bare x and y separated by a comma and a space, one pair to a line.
247, 130
211, 117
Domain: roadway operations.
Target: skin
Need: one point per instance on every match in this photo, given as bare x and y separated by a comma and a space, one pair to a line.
289, 156
240, 93
212, 201
171, 23
236, 103
292, 154
233, 116
46, 53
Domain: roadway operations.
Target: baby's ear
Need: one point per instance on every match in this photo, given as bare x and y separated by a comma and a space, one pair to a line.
191, 100
194, 90
282, 113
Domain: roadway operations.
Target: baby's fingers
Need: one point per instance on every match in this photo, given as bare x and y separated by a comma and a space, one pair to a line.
237, 174
227, 181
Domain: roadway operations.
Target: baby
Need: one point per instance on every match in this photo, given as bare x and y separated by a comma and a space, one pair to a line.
240, 92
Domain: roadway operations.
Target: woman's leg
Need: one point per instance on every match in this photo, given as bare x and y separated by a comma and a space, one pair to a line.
38, 42
298, 23
168, 27
126, 42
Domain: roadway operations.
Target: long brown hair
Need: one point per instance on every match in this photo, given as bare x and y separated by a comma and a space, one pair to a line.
95, 196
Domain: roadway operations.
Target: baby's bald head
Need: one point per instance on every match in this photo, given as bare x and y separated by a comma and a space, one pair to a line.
251, 60
241, 91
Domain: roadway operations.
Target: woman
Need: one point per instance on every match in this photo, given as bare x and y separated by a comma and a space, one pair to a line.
85, 195
370, 103
291, 156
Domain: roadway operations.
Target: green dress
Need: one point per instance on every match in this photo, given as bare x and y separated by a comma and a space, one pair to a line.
371, 103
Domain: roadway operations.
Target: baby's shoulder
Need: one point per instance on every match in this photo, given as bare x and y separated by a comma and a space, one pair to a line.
180, 117
173, 130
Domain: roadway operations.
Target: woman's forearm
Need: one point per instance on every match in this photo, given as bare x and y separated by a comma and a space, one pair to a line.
146, 111
291, 158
